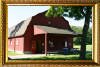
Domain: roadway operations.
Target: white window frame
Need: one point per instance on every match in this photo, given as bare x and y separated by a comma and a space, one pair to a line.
66, 43
51, 43
17, 42
10, 41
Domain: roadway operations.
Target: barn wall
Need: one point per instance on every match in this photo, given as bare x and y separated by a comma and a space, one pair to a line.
70, 42
28, 39
58, 22
10, 46
40, 48
16, 44
20, 45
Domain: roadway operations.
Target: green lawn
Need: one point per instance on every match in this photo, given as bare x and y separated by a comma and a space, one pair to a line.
11, 53
88, 47
59, 56
53, 57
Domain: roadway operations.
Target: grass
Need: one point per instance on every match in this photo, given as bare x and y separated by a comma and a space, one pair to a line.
88, 47
11, 53
88, 51
58, 56
53, 57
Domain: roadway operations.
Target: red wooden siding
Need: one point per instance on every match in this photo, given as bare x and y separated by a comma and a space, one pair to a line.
10, 44
58, 22
28, 39
17, 44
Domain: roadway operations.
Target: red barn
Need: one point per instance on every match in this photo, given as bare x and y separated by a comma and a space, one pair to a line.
40, 34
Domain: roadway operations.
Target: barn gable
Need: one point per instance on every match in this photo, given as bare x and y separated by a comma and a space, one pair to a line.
58, 22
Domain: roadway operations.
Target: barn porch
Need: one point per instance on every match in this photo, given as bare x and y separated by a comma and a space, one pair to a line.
52, 42
51, 39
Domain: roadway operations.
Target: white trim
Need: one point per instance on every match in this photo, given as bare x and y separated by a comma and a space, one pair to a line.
17, 42
66, 43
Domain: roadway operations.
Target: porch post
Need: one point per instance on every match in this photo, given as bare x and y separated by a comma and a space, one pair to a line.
46, 44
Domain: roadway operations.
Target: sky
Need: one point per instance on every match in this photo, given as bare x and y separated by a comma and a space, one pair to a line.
16, 14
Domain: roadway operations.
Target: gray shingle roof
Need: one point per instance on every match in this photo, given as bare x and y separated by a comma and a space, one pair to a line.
19, 29
53, 30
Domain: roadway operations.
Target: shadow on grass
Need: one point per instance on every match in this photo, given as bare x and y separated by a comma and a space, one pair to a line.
89, 56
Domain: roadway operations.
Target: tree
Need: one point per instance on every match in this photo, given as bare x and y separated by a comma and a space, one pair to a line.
80, 13
76, 12
54, 11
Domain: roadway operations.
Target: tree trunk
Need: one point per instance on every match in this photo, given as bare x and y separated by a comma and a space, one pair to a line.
84, 34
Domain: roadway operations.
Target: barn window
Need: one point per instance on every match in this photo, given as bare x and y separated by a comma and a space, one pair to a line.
51, 43
10, 41
16, 42
49, 22
42, 44
65, 43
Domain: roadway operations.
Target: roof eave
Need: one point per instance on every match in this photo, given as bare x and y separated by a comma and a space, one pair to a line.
15, 36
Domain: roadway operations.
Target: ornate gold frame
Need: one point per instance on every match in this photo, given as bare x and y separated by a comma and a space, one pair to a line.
95, 36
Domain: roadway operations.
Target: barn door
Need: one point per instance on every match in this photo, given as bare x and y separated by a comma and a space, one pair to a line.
39, 46
33, 46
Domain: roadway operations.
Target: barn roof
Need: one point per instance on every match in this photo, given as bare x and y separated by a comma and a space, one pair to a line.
19, 29
51, 30
39, 19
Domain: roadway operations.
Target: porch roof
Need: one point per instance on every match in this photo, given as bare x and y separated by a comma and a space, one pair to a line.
39, 29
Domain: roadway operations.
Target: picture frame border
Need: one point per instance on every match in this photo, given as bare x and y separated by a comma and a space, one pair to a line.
95, 31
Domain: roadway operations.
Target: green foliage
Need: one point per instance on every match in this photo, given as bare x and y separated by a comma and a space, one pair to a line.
12, 53
77, 40
54, 11
76, 12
